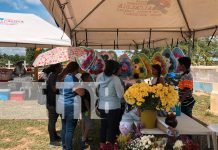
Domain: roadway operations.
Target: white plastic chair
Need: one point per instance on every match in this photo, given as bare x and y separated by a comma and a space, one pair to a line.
214, 129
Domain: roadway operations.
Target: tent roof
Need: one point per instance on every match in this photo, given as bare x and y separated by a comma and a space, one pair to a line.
129, 22
28, 30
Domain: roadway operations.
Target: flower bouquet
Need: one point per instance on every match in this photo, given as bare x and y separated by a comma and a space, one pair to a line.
151, 98
144, 142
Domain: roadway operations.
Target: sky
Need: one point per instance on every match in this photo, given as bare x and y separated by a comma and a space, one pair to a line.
24, 6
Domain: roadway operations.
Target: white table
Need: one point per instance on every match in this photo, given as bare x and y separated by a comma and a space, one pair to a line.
186, 126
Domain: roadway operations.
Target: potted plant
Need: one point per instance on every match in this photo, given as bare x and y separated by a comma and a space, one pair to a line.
149, 99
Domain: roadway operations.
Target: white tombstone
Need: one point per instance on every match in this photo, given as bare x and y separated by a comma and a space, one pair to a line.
9, 64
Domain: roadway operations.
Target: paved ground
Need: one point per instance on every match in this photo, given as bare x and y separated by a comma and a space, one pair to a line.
22, 110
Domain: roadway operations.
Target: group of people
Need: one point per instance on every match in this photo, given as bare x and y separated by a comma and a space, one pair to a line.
111, 105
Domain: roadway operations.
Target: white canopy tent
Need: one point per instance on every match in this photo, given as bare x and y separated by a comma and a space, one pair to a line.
28, 30
124, 23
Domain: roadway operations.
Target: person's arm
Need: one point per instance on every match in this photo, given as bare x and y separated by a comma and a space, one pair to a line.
118, 87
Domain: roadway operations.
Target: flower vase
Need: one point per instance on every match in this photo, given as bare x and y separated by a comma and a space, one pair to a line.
172, 122
148, 118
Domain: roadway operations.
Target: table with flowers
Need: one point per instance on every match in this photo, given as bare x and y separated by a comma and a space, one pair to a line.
186, 126
156, 131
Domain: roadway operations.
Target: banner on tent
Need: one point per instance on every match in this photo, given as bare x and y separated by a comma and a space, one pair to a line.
6, 21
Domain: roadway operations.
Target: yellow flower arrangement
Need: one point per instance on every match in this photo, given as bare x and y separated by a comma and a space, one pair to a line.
157, 97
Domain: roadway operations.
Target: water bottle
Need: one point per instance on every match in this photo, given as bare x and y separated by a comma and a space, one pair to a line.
178, 109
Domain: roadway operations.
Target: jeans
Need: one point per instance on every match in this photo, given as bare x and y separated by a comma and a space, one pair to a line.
109, 125
52, 119
68, 127
187, 109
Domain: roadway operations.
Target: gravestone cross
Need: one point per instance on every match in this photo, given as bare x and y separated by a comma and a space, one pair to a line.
9, 64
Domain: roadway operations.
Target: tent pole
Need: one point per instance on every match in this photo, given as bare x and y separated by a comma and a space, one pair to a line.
117, 38
172, 43
114, 44
71, 39
193, 40
149, 42
86, 38
183, 14
212, 36
143, 43
131, 30
75, 38
61, 7
177, 42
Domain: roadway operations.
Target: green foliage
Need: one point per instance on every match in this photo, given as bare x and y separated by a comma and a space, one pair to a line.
30, 53
151, 102
29, 58
4, 58
202, 54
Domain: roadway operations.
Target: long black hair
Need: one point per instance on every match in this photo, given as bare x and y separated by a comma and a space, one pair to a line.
158, 68
186, 61
111, 67
70, 68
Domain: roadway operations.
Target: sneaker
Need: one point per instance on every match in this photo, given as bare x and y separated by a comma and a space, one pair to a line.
54, 144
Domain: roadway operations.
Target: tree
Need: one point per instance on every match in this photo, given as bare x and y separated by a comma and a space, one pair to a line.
30, 53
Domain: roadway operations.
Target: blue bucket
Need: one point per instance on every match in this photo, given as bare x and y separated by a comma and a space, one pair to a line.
4, 94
